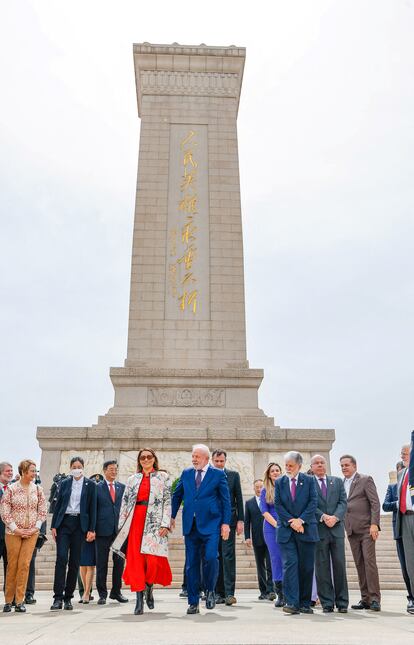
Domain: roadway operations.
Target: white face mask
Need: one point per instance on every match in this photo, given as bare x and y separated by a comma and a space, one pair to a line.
76, 472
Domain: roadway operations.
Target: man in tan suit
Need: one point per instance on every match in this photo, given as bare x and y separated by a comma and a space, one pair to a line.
362, 526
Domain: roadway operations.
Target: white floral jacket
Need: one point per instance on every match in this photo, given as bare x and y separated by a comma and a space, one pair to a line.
158, 514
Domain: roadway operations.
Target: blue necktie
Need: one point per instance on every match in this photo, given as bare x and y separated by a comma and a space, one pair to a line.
198, 479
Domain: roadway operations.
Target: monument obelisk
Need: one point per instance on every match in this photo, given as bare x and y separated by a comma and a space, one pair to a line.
186, 377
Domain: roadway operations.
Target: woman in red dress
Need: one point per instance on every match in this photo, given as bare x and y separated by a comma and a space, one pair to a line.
144, 521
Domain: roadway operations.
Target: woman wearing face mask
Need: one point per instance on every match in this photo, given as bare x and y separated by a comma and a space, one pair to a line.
23, 510
144, 521
73, 521
267, 506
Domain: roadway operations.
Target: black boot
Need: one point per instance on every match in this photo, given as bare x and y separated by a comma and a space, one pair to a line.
149, 598
139, 607
280, 600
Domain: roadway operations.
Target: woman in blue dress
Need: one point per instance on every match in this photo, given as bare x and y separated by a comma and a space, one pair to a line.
267, 506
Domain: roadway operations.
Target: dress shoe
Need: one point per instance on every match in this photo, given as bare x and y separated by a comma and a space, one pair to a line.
210, 600
342, 610
101, 601
410, 610
262, 596
149, 598
375, 606
183, 593
29, 600
230, 600
219, 599
360, 605
306, 610
139, 605
289, 609
193, 609
327, 610
57, 604
280, 598
271, 596
7, 608
118, 596
20, 608
67, 604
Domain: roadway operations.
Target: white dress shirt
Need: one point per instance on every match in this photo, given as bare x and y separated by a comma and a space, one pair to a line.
320, 482
75, 496
203, 471
258, 500
348, 483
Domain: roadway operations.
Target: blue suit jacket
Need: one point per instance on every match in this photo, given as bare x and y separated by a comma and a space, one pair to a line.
210, 504
87, 504
107, 511
304, 506
391, 504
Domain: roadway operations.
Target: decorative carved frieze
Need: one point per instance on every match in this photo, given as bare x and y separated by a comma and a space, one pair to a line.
186, 397
189, 83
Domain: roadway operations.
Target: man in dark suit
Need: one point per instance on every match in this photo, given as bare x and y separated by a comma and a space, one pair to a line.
297, 533
404, 524
6, 475
109, 494
330, 514
206, 516
74, 518
391, 505
226, 582
362, 521
253, 535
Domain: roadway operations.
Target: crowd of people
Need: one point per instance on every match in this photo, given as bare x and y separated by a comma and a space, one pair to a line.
295, 523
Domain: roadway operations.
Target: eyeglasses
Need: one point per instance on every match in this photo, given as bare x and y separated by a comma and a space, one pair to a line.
146, 457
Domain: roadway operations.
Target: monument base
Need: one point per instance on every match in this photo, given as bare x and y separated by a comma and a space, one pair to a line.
170, 410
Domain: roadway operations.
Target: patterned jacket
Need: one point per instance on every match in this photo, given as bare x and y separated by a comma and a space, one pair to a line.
23, 507
158, 514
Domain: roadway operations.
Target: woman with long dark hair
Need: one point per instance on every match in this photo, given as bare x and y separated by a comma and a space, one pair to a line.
144, 521
267, 506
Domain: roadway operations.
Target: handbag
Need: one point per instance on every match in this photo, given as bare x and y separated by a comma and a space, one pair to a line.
41, 539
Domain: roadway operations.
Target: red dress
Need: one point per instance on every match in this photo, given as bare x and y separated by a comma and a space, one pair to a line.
143, 568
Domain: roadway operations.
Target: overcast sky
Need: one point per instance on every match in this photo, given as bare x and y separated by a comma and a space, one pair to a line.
326, 145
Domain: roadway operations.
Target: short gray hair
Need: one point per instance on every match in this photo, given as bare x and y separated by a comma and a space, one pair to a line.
3, 466
203, 448
317, 457
294, 455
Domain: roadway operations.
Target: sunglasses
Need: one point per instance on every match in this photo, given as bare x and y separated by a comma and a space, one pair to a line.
146, 457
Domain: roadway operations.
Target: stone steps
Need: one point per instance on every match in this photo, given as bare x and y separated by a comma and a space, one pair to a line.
389, 568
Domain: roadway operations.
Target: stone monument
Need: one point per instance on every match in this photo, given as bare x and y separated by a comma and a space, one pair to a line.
186, 378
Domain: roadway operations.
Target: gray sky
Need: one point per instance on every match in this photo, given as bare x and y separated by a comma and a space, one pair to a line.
326, 138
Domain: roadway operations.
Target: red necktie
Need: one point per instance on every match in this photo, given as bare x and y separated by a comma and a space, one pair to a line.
112, 492
403, 494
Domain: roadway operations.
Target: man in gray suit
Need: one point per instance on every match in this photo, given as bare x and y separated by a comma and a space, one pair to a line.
330, 514
404, 524
362, 527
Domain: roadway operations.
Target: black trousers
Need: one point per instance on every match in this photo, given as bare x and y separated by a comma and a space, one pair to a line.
264, 568
331, 593
102, 544
68, 551
401, 557
226, 581
3, 554
31, 580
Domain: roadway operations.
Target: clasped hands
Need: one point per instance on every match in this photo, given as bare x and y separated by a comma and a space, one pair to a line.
26, 533
329, 520
296, 524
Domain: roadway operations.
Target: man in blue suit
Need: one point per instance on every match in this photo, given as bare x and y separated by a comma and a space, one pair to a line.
109, 494
206, 516
296, 503
391, 504
74, 518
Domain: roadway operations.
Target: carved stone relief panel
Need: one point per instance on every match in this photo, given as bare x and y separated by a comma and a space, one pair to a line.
189, 83
186, 397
